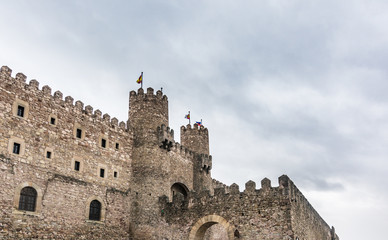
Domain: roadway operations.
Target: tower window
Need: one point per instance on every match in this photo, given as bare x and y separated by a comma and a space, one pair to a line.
78, 133
77, 165
117, 145
102, 172
115, 174
52, 121
48, 154
103, 143
95, 210
20, 111
16, 148
27, 200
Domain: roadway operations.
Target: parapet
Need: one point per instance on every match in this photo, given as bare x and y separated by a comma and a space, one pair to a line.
149, 95
19, 82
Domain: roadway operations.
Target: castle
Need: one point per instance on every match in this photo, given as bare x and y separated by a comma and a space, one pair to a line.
69, 172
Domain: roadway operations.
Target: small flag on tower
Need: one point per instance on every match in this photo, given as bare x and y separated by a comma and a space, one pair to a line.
199, 123
140, 79
187, 116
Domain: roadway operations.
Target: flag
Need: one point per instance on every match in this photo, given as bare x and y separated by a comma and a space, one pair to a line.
140, 80
199, 123
187, 116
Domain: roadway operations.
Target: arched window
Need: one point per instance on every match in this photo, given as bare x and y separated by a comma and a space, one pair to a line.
179, 188
27, 201
95, 210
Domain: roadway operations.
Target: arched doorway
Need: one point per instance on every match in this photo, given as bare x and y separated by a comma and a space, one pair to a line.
177, 188
202, 225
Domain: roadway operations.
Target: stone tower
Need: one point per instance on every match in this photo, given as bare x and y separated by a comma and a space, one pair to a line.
196, 138
147, 112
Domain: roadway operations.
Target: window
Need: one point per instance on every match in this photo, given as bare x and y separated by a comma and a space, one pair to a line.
117, 145
20, 108
78, 133
103, 143
102, 172
77, 165
20, 111
16, 148
115, 174
52, 121
27, 201
48, 154
95, 210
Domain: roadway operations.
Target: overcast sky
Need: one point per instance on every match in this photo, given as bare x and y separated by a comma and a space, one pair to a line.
294, 87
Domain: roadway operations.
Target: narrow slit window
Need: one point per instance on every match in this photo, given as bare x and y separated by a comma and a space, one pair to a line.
79, 133
103, 143
117, 145
115, 174
20, 111
16, 148
48, 154
77, 165
102, 172
52, 120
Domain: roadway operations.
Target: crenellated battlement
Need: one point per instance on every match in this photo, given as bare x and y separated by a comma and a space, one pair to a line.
140, 95
18, 85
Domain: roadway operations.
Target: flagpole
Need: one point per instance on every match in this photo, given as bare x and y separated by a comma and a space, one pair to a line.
142, 79
189, 118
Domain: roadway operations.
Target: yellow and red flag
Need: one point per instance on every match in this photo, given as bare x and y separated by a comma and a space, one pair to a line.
140, 79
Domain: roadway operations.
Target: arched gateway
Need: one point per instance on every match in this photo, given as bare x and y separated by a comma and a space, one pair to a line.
199, 229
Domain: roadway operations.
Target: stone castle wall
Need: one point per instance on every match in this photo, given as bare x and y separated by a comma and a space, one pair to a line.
64, 193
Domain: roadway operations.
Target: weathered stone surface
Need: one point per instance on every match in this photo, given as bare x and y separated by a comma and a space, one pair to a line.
151, 188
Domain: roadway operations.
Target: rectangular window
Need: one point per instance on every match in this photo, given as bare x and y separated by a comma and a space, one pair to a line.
78, 133
117, 145
77, 165
102, 172
16, 148
48, 154
115, 174
52, 121
20, 111
103, 143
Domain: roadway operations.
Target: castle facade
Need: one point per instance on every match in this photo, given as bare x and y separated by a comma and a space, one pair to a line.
71, 172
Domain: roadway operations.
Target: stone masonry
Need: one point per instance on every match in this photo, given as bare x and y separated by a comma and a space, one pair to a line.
71, 172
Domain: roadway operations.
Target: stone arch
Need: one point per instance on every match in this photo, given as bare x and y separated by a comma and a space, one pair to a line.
179, 188
199, 229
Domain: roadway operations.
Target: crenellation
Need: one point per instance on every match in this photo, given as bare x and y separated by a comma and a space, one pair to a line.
46, 90
79, 105
20, 77
58, 96
69, 100
265, 184
250, 187
234, 189
89, 110
6, 71
122, 125
106, 118
97, 114
114, 122
159, 94
34, 84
